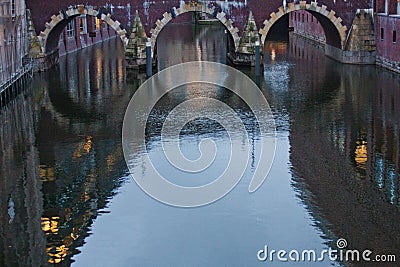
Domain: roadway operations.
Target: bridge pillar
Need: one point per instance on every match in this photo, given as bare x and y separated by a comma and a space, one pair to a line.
245, 54
135, 51
41, 61
360, 47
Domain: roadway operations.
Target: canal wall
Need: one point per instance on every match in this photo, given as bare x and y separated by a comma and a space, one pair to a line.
359, 47
371, 40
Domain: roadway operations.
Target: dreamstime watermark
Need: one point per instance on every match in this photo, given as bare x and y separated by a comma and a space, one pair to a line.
311, 255
209, 73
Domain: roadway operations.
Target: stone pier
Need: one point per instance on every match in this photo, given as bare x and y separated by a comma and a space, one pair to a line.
135, 51
245, 53
360, 47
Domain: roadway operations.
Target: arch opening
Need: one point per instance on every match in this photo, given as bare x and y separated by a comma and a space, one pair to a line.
194, 7
335, 32
49, 38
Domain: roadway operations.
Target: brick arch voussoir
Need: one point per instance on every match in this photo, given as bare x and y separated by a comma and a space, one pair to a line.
312, 7
174, 12
74, 11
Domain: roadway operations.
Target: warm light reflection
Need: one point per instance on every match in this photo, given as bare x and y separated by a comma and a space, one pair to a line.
361, 153
275, 48
97, 23
57, 253
83, 147
46, 173
88, 144
50, 225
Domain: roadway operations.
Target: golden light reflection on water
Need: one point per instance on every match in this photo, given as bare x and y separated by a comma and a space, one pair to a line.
57, 253
88, 144
46, 173
361, 154
360, 151
50, 225
85, 147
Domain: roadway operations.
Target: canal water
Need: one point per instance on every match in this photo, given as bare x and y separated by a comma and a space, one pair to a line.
66, 195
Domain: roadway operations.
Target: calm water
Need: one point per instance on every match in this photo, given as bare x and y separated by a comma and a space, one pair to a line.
66, 195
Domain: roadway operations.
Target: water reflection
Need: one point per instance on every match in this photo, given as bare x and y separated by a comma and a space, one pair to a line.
344, 145
61, 163
64, 143
199, 42
78, 141
22, 242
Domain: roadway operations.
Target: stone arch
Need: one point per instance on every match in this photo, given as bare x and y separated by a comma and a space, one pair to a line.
194, 7
335, 32
58, 23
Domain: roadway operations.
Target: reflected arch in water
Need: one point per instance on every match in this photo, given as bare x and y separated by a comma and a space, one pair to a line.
84, 83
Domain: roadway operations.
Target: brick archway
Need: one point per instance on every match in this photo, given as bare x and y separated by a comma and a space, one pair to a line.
194, 7
60, 20
335, 31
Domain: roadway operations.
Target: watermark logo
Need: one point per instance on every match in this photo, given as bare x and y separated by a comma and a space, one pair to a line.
151, 91
311, 255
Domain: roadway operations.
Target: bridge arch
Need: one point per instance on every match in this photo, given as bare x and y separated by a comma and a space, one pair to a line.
50, 36
335, 32
194, 7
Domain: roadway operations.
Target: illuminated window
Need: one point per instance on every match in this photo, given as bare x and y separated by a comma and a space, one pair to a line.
82, 24
71, 28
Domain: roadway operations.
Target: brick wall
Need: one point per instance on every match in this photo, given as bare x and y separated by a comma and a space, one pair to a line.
150, 11
387, 27
305, 24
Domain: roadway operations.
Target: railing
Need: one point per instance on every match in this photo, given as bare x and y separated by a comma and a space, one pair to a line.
27, 69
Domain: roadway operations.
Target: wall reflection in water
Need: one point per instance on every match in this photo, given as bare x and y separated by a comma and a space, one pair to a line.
61, 156
344, 136
191, 43
22, 243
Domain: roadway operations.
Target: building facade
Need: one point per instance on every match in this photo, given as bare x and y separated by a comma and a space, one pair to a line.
387, 29
83, 31
13, 40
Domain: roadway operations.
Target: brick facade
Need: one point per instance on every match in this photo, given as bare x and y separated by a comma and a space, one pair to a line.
387, 27
306, 25
151, 11
96, 32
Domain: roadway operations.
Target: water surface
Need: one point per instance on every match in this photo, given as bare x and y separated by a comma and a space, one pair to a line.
66, 195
